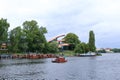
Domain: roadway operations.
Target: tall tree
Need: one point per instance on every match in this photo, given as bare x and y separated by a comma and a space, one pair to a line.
4, 25
34, 36
72, 39
15, 37
91, 43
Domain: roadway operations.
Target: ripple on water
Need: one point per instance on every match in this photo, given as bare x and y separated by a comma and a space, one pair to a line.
104, 67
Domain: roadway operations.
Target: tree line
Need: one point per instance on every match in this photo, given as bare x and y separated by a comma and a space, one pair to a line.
30, 37
81, 47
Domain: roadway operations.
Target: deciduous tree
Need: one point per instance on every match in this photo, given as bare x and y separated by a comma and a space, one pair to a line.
34, 36
72, 39
4, 25
15, 37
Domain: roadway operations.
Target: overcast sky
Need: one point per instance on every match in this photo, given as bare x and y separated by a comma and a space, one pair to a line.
64, 16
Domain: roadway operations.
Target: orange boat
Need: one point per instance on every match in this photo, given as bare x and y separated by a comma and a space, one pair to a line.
59, 60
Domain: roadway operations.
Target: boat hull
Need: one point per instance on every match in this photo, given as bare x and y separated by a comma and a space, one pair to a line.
59, 60
89, 54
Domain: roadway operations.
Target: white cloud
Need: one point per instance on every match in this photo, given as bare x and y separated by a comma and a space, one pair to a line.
62, 16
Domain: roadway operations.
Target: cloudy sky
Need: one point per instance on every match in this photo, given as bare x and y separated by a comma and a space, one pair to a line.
64, 16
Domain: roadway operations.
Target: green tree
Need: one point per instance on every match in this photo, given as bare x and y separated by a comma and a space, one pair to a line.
91, 43
34, 36
43, 30
78, 48
81, 48
86, 47
72, 39
46, 48
15, 37
23, 46
53, 47
4, 25
116, 50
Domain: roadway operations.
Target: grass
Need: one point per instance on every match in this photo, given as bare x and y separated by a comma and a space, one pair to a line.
67, 53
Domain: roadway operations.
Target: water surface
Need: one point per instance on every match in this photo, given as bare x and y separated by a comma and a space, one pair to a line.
106, 67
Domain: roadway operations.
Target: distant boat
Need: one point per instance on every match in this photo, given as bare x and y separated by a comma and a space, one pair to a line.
59, 60
89, 54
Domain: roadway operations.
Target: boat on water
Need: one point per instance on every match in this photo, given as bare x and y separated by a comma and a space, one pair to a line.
89, 54
59, 60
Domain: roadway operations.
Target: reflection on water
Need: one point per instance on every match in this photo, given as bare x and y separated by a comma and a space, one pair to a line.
104, 67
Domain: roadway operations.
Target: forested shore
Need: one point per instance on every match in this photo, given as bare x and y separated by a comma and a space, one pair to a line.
30, 37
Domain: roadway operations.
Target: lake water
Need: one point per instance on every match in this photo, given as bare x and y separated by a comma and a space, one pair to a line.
105, 67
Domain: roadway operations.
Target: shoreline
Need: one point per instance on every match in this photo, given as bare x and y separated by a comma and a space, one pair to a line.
26, 56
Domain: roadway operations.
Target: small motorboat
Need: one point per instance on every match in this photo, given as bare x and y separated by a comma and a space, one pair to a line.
59, 60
